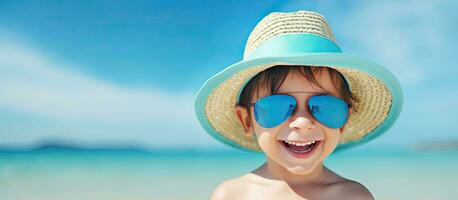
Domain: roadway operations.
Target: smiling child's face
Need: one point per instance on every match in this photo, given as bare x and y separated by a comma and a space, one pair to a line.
299, 128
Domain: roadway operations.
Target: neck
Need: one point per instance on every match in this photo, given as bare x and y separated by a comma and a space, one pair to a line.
275, 171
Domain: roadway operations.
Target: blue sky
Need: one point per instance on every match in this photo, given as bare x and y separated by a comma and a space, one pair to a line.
118, 72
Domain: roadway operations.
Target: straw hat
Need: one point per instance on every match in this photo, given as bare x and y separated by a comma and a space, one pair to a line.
299, 38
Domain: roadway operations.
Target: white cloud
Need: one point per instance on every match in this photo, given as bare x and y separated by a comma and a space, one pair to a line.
82, 108
409, 37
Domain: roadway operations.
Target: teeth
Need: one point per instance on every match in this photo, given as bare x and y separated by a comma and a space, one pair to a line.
300, 144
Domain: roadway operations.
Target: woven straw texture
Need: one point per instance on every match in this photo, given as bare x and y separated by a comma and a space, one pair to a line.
374, 99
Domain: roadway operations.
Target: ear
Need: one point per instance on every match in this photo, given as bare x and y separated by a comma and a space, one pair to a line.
244, 118
350, 110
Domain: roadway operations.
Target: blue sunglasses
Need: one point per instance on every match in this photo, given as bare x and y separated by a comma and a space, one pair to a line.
271, 111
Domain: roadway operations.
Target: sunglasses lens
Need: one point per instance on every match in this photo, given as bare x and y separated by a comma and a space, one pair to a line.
273, 110
329, 110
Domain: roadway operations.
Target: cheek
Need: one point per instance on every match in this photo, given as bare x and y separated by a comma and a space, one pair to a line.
332, 139
267, 140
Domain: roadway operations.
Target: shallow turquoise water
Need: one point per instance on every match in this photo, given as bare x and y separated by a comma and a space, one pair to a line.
62, 174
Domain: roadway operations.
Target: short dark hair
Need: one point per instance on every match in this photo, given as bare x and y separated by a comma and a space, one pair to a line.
274, 77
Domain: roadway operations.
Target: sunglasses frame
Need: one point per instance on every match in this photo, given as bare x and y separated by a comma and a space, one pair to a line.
293, 108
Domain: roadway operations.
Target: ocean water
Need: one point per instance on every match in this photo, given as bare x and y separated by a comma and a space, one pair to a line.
74, 174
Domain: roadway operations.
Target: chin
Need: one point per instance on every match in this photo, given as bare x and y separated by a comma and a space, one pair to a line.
301, 170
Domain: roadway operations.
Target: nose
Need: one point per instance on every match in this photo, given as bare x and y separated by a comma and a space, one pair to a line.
301, 120
302, 123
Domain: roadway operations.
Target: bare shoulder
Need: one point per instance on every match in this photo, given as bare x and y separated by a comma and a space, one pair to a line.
344, 188
355, 190
230, 189
223, 191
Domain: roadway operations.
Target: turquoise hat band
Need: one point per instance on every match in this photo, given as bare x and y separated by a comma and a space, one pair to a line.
294, 44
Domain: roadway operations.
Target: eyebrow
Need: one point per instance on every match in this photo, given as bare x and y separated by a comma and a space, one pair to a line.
319, 92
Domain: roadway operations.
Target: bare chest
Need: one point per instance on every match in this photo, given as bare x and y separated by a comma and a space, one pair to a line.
288, 193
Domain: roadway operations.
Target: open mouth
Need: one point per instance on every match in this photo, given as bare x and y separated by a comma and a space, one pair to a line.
300, 149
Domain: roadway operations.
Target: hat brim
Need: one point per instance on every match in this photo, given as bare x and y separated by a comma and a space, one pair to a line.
341, 60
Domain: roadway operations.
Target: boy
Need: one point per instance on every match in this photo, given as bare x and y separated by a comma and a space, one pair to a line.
297, 98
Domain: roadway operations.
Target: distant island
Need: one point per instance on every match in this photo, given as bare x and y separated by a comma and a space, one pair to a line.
436, 145
54, 146
71, 147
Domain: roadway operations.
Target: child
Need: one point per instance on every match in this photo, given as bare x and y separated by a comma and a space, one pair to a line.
296, 98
